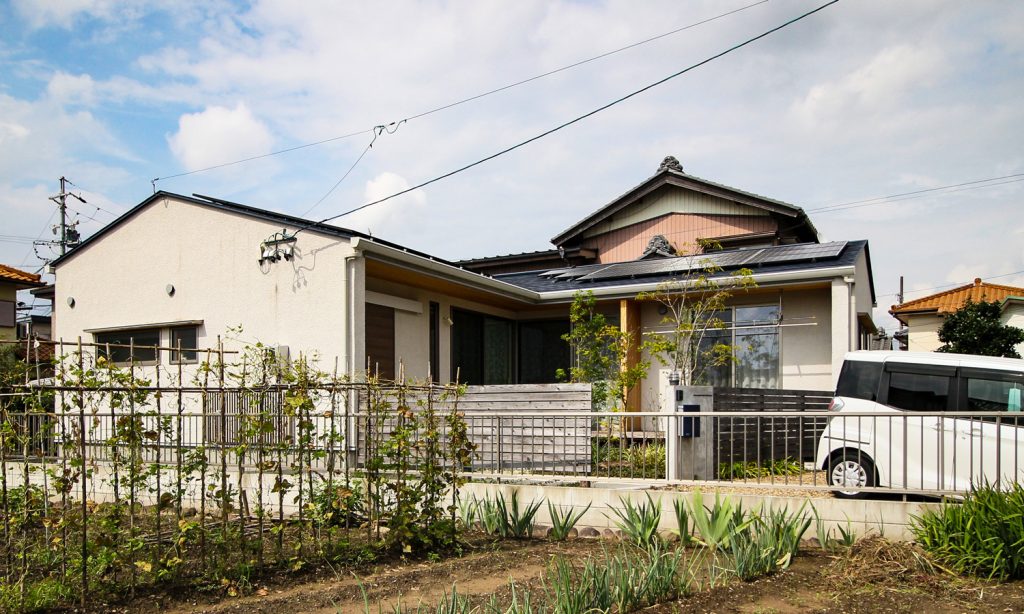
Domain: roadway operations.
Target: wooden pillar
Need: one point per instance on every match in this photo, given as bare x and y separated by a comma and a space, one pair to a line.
629, 322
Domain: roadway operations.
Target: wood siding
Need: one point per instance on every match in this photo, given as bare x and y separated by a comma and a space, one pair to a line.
681, 229
380, 339
510, 441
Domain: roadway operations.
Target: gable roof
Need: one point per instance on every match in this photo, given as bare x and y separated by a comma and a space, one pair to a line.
671, 173
21, 278
952, 300
238, 208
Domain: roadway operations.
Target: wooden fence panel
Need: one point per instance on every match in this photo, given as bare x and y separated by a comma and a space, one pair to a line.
764, 438
507, 441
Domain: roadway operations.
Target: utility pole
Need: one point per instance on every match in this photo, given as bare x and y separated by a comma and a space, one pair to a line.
67, 233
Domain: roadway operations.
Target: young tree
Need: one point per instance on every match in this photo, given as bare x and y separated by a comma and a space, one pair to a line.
693, 303
975, 329
599, 350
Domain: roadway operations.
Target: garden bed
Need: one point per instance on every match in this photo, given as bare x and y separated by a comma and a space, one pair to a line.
876, 576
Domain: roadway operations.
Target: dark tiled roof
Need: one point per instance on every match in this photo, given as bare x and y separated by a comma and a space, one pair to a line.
539, 282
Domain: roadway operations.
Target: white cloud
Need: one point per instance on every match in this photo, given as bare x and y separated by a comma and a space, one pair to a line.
217, 135
71, 89
396, 219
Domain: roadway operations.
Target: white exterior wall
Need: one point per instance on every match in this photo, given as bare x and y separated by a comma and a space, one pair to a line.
1013, 315
806, 356
923, 333
210, 257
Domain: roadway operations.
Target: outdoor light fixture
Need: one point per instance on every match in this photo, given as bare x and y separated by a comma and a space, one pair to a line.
279, 245
71, 302
169, 289
673, 378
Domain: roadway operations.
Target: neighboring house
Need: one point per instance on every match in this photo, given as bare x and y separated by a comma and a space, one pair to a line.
12, 280
924, 316
187, 269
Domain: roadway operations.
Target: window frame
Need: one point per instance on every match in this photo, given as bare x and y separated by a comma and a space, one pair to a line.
172, 354
101, 346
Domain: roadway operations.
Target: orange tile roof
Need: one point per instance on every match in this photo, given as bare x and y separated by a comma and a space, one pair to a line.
16, 275
951, 300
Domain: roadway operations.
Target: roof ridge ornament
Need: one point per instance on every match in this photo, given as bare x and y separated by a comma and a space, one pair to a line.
670, 163
658, 246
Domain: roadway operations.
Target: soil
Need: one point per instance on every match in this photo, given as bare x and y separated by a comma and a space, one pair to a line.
876, 576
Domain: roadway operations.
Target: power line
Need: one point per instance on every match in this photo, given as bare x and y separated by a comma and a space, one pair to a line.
867, 202
470, 98
952, 285
377, 131
584, 116
582, 62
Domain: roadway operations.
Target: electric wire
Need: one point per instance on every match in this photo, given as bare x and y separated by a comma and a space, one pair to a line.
952, 285
469, 98
580, 117
871, 201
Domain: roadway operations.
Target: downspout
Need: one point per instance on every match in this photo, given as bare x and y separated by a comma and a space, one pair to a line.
854, 336
351, 438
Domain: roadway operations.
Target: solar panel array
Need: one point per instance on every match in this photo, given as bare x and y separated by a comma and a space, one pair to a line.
727, 259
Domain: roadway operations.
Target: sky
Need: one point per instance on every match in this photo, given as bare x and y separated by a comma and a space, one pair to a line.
863, 99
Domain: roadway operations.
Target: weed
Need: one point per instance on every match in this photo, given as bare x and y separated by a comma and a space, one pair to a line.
683, 521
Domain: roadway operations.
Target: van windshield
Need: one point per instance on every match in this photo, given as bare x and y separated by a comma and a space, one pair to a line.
859, 380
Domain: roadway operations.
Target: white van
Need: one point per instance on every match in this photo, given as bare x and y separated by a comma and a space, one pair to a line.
924, 421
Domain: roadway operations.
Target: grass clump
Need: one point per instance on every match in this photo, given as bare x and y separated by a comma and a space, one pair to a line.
639, 521
563, 521
750, 470
981, 536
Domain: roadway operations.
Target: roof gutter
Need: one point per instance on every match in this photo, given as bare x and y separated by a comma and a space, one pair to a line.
762, 280
443, 270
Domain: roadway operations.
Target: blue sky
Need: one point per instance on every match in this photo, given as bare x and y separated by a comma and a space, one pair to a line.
861, 100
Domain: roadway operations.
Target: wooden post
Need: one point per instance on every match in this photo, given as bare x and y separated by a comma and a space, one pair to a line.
629, 323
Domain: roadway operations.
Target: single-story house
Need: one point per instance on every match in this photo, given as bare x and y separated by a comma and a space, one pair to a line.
12, 280
924, 316
189, 269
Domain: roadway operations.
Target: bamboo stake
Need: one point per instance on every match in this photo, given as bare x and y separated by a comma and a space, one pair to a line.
85, 485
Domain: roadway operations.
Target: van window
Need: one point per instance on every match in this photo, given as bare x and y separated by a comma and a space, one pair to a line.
859, 380
918, 391
993, 395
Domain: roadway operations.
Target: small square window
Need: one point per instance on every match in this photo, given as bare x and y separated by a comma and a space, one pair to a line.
185, 338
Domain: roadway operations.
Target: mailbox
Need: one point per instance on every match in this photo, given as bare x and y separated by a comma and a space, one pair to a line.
689, 427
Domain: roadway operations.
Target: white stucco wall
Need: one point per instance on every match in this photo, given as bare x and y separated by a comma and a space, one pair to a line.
923, 333
1013, 315
210, 257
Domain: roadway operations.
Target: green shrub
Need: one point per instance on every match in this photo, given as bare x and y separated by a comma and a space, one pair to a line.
752, 470
639, 522
981, 536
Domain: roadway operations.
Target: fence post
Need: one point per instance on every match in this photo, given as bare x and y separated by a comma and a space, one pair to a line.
673, 459
697, 452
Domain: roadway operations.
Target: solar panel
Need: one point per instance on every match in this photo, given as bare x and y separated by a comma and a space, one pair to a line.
793, 253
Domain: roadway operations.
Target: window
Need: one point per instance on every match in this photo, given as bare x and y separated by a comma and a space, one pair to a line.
186, 339
481, 348
7, 313
542, 351
918, 391
859, 380
754, 335
121, 345
1002, 394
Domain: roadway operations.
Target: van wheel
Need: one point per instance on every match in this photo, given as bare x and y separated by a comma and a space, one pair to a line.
850, 468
